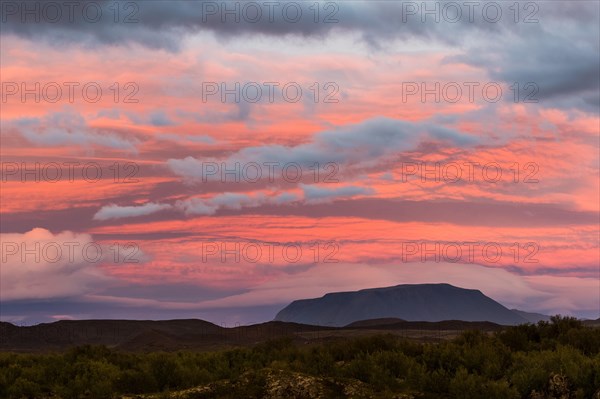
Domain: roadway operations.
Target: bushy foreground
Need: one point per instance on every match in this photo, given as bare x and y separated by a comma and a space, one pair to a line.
559, 359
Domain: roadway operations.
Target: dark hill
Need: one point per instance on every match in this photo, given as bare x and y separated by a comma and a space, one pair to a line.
418, 302
376, 322
134, 333
142, 335
531, 317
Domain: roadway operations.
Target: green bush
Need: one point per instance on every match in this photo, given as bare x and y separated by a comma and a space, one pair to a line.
512, 363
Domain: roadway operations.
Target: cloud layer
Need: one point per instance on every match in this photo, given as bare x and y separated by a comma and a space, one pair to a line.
356, 179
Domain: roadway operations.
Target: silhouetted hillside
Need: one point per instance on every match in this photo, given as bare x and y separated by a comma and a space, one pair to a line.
114, 333
532, 317
199, 335
419, 302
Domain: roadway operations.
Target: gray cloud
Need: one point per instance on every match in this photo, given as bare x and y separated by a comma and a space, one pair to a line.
54, 266
365, 144
319, 194
117, 212
559, 52
238, 201
564, 66
160, 24
68, 127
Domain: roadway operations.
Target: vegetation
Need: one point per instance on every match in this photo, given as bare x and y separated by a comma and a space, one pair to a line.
556, 359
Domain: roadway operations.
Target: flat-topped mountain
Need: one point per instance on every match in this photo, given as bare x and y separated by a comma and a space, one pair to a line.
411, 302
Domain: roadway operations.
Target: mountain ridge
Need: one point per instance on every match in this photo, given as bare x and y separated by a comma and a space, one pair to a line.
410, 302
200, 335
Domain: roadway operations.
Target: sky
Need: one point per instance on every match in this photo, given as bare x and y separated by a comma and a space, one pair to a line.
218, 160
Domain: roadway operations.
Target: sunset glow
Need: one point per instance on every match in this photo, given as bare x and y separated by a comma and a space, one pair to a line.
179, 146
